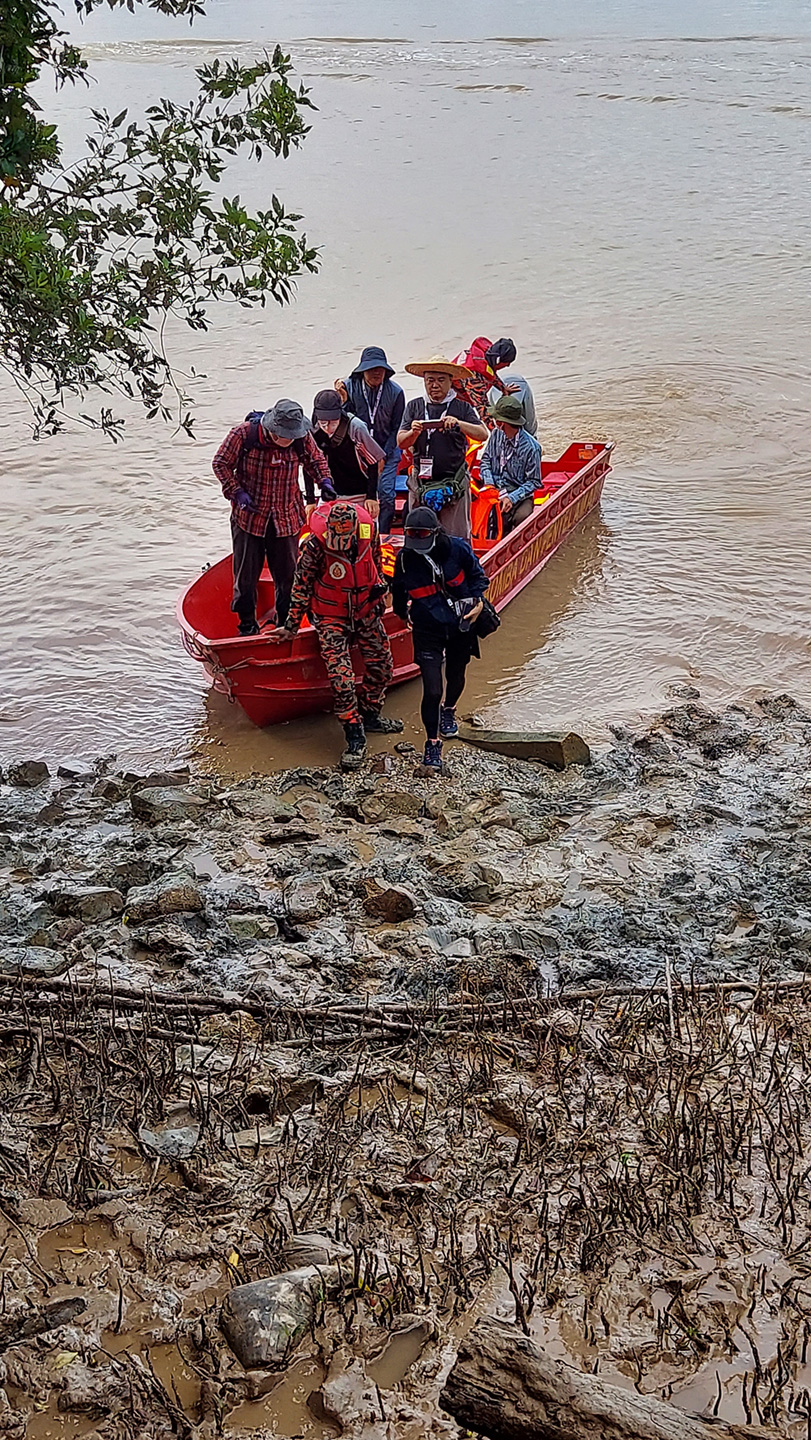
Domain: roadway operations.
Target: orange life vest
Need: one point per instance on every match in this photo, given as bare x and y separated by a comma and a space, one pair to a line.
346, 589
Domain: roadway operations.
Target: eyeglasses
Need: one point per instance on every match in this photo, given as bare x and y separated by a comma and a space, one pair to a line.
420, 534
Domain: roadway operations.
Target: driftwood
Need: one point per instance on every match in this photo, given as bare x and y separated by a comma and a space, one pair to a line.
504, 1387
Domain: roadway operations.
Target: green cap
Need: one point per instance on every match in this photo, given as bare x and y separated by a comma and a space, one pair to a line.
509, 409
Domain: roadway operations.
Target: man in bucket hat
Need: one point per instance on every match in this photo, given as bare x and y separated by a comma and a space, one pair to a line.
437, 430
258, 467
511, 460
370, 394
339, 584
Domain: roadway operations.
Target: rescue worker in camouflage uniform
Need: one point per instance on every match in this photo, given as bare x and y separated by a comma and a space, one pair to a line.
339, 584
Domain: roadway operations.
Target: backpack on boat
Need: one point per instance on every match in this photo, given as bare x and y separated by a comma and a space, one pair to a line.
252, 441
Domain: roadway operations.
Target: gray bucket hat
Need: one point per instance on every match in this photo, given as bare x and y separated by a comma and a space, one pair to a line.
286, 418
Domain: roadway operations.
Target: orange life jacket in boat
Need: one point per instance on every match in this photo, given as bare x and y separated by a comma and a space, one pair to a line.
346, 589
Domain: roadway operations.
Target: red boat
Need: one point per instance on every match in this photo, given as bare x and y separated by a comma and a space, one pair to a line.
278, 682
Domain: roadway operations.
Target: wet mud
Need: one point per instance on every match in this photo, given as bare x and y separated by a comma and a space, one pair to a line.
513, 1043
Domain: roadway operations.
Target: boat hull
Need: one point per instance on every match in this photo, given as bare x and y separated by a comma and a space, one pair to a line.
275, 683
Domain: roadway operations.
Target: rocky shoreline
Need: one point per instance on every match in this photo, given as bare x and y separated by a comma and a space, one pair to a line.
385, 1035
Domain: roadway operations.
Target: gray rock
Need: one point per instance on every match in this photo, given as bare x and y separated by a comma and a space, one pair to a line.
308, 897
167, 803
384, 803
313, 1248
85, 902
170, 895
175, 1143
34, 960
166, 939
558, 749
253, 927
263, 1321
28, 773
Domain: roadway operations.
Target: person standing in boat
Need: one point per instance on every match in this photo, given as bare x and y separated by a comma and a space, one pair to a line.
500, 357
258, 467
511, 460
354, 457
437, 430
371, 394
438, 587
339, 584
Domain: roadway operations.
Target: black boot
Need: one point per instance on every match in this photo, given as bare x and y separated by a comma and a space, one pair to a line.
248, 626
380, 725
355, 752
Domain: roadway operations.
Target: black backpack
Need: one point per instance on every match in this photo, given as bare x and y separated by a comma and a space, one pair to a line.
252, 442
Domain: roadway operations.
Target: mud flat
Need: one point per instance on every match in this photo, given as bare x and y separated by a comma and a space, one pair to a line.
303, 1076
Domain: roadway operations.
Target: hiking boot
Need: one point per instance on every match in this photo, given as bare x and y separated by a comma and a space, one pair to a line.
380, 725
248, 627
447, 722
432, 759
355, 752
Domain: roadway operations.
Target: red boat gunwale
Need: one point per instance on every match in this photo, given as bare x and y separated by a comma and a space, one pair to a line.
274, 683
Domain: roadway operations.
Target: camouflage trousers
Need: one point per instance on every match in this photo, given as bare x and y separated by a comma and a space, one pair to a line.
366, 695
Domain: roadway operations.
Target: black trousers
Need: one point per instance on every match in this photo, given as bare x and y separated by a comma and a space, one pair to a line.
518, 513
250, 553
443, 663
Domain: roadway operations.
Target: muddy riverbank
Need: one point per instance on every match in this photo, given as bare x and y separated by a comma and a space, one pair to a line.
515, 1043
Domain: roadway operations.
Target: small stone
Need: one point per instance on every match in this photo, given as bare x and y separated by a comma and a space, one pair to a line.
382, 804
108, 789
85, 902
313, 1249
175, 1143
167, 803
554, 748
404, 747
170, 895
391, 903
28, 773
253, 927
309, 897
166, 938
287, 832
263, 1321
35, 960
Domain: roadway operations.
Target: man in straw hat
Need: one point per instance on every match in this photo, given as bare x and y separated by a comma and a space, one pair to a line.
511, 460
437, 429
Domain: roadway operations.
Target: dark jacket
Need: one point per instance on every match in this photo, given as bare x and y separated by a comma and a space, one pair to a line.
388, 414
464, 579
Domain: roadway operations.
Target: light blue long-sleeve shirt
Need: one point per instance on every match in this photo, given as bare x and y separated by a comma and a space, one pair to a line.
513, 466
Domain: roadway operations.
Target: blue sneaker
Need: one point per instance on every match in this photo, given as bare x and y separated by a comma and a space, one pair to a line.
432, 759
447, 722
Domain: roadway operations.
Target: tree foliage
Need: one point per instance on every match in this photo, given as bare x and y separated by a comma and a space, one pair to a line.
97, 254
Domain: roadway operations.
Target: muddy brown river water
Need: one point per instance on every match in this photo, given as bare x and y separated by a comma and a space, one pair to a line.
628, 198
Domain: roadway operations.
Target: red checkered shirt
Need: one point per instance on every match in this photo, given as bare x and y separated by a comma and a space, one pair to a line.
269, 473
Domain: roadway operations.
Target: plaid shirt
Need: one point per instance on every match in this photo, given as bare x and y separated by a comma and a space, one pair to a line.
269, 473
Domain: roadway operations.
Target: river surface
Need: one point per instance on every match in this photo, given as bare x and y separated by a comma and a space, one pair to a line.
626, 193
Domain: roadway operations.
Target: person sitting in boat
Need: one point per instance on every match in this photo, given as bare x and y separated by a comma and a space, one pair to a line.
339, 584
258, 467
354, 457
501, 357
511, 460
438, 587
371, 394
437, 430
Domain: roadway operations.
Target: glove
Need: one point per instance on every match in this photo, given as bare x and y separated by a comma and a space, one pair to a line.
327, 493
243, 500
438, 498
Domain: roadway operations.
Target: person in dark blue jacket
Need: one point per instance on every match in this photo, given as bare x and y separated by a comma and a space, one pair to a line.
438, 586
371, 395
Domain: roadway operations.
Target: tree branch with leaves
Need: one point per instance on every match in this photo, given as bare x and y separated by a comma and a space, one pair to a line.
95, 256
